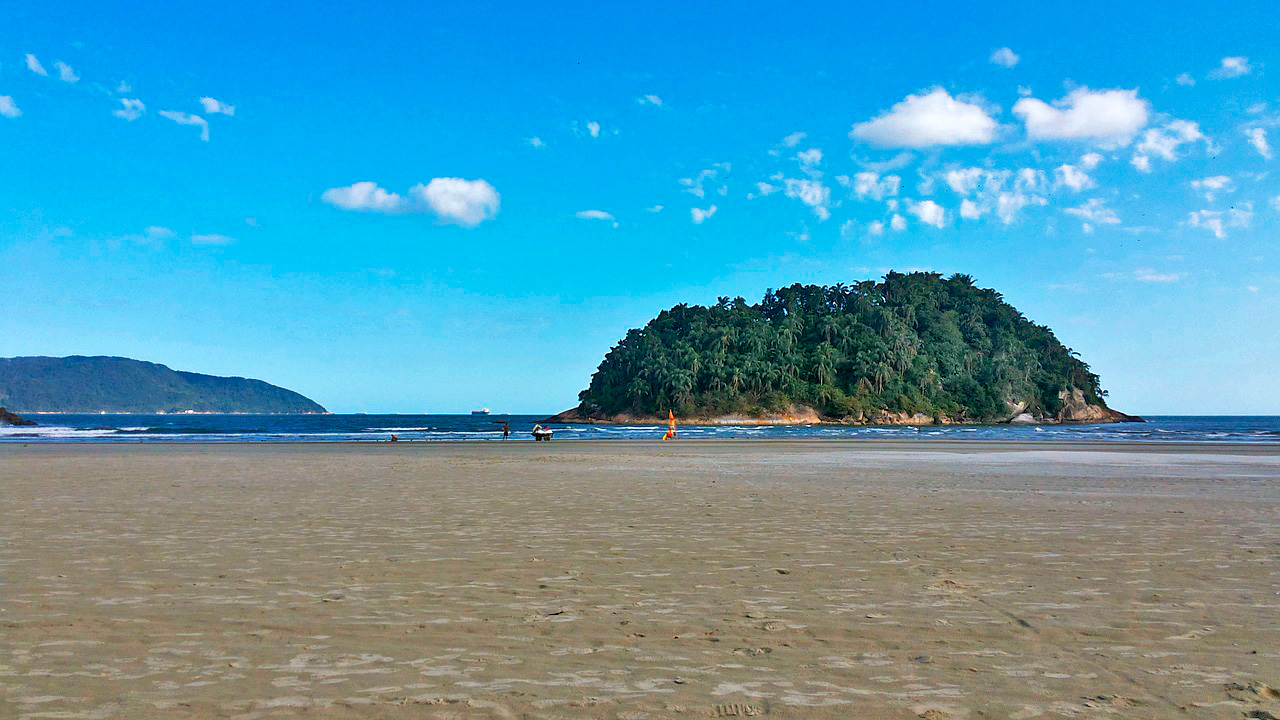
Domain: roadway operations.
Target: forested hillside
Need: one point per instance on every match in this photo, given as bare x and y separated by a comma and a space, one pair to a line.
79, 384
913, 344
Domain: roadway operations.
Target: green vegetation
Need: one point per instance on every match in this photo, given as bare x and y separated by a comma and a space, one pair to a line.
119, 385
915, 343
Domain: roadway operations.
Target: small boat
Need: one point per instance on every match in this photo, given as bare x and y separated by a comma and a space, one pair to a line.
481, 411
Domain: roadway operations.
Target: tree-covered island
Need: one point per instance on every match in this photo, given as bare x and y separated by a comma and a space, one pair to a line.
915, 348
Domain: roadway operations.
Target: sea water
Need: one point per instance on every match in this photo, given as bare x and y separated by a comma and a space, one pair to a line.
426, 428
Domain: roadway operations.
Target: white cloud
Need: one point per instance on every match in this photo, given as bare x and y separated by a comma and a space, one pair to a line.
596, 215
1232, 67
123, 87
1258, 139
1163, 142
810, 158
928, 212
811, 193
698, 214
764, 189
876, 228
871, 185
1094, 212
132, 109
1004, 192
1210, 186
461, 202
1072, 177
654, 209
364, 197
593, 128
187, 119
925, 186
1275, 203
694, 185
793, 139
212, 106
212, 239
34, 65
153, 236
1089, 161
897, 223
453, 200
1029, 180
1185, 79
1005, 57
1108, 117
963, 181
65, 73
1217, 221
8, 107
650, 100
927, 120
1148, 275
536, 142
1009, 204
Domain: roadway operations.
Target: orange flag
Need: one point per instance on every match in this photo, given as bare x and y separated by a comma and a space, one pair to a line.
671, 426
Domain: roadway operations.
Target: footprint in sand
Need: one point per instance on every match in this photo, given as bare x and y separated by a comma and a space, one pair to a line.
951, 586
1192, 635
1118, 701
1256, 690
737, 710
1254, 693
938, 712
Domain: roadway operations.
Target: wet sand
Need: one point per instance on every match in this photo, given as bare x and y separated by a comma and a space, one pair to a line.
628, 580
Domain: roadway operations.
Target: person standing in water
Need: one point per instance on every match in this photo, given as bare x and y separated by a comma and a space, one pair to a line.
506, 431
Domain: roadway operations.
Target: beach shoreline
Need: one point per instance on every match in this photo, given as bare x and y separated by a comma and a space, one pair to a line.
799, 443
712, 578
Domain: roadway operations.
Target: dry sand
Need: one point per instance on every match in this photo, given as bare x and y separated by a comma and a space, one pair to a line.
629, 580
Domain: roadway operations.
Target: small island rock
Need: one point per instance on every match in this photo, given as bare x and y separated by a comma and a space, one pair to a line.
8, 418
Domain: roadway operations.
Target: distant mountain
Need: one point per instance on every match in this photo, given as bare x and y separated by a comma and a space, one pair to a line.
80, 384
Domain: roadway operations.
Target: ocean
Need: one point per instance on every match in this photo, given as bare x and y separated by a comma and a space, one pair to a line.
479, 428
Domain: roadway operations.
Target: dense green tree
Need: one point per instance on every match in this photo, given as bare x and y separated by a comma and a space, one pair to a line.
913, 342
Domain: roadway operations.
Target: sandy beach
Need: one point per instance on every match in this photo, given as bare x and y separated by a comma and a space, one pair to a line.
639, 580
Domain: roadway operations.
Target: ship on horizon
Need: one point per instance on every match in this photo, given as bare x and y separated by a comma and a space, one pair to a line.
481, 411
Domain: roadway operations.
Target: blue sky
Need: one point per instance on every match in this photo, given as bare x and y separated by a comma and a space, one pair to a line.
433, 207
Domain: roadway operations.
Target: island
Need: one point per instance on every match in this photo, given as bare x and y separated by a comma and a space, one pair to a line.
97, 384
913, 349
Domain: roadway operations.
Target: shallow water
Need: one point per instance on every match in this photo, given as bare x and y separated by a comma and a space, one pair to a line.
370, 428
